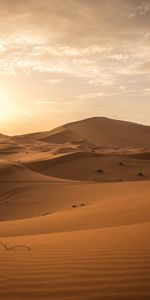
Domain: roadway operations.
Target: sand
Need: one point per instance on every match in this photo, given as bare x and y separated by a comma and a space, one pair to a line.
98, 131
85, 166
84, 215
112, 263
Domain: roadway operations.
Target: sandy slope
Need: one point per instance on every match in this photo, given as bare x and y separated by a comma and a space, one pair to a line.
112, 263
97, 251
105, 205
95, 167
21, 191
11, 171
99, 131
8, 145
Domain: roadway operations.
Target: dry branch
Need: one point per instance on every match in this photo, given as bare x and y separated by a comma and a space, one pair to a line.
13, 247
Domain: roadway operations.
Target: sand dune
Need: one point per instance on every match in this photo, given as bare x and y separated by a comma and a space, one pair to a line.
142, 155
88, 234
13, 172
4, 138
95, 167
21, 191
98, 135
8, 145
108, 205
100, 131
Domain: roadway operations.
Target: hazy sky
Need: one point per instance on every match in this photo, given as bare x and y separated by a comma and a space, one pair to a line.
64, 60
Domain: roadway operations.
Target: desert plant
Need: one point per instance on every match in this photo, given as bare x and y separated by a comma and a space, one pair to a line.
100, 171
140, 174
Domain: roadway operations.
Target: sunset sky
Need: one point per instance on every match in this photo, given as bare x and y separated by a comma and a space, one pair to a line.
65, 60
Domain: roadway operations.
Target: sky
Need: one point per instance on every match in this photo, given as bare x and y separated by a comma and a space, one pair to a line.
65, 60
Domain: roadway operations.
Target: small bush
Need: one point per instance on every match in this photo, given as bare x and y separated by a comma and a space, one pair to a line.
140, 174
100, 171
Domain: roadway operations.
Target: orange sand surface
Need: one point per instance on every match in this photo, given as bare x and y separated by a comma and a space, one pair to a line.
75, 213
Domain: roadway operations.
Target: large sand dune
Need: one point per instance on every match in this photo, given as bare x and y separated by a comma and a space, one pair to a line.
100, 131
94, 135
60, 195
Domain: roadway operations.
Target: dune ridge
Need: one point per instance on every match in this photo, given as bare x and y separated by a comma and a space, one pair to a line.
87, 166
98, 130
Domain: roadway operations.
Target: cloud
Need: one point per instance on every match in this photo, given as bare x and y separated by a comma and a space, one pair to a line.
53, 81
143, 68
86, 49
74, 99
97, 41
76, 21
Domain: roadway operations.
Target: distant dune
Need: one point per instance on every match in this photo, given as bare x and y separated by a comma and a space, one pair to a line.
8, 145
100, 131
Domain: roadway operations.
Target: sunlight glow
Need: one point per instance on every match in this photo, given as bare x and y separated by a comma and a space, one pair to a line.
5, 107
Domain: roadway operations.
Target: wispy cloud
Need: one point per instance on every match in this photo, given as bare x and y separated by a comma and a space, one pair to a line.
53, 81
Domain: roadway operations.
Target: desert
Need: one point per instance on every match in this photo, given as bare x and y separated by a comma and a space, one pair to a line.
75, 224
75, 150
